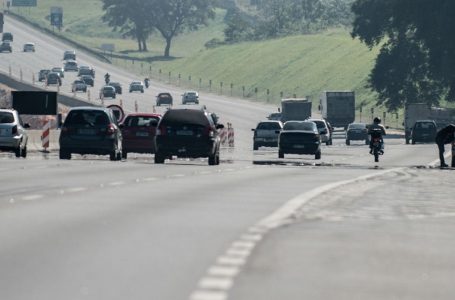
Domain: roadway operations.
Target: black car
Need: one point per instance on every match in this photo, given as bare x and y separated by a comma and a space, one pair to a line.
117, 86
86, 70
42, 75
88, 79
6, 47
424, 131
189, 133
91, 130
7, 36
299, 137
357, 132
107, 91
164, 98
53, 78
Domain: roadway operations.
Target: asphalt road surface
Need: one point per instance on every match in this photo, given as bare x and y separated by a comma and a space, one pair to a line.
254, 227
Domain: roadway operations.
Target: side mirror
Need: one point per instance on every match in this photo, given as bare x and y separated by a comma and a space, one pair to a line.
219, 126
252, 129
387, 127
26, 126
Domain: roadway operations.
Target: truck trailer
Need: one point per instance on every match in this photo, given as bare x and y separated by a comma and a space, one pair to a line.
338, 107
295, 109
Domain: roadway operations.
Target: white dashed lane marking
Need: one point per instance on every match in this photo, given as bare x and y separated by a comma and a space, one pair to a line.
32, 197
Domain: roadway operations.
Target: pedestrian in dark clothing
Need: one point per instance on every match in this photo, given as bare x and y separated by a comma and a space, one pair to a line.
444, 136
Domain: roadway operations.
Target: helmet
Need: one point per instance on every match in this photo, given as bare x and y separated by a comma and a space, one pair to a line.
377, 120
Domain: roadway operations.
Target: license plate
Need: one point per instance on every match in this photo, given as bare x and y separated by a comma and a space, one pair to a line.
184, 132
142, 134
299, 146
87, 131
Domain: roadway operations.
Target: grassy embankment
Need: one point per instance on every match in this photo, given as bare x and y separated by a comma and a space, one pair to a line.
301, 65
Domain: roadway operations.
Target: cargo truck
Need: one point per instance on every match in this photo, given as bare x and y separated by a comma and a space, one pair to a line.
295, 109
422, 111
338, 107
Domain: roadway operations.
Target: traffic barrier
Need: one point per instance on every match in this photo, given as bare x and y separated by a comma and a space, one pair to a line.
46, 132
223, 136
230, 135
453, 155
136, 106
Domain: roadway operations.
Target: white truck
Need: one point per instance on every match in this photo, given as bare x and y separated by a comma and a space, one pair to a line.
422, 111
295, 109
338, 107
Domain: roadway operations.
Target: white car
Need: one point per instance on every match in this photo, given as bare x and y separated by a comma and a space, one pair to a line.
136, 86
324, 130
13, 136
266, 134
29, 47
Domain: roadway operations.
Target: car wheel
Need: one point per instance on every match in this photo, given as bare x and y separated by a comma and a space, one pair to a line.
113, 155
18, 151
142, 91
24, 152
119, 155
367, 142
159, 158
348, 142
280, 154
327, 143
212, 159
217, 159
407, 141
124, 154
317, 155
64, 154
413, 142
255, 146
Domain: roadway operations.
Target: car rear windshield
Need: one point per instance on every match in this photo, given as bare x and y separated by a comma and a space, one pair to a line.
357, 126
309, 126
319, 124
177, 117
268, 126
6, 117
424, 125
141, 121
87, 117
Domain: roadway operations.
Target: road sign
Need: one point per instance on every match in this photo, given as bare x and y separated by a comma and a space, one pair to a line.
108, 47
35, 103
23, 3
56, 17
118, 111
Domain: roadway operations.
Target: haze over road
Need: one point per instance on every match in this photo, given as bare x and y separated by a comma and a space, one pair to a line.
89, 228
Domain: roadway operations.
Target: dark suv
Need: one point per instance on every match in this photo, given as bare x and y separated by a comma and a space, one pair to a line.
424, 131
187, 133
91, 130
164, 98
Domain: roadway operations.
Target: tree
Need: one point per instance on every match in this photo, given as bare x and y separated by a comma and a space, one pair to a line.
130, 17
417, 53
172, 17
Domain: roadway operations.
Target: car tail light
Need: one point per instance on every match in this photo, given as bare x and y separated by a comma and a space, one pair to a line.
110, 129
14, 130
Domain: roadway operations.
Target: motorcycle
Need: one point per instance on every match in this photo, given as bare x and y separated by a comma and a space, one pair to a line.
377, 144
147, 83
107, 78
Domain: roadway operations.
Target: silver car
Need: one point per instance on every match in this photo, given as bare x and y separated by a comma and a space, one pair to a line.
324, 130
266, 134
13, 136
29, 47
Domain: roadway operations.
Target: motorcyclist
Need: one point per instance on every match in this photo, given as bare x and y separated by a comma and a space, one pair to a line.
444, 136
147, 82
373, 129
107, 78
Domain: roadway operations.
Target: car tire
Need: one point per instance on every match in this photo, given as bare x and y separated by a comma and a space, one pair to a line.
317, 155
64, 154
113, 155
124, 154
24, 152
280, 154
367, 142
159, 158
255, 146
348, 142
142, 91
407, 141
413, 142
213, 159
119, 155
18, 151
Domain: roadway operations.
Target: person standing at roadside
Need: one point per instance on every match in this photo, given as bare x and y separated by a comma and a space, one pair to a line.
444, 136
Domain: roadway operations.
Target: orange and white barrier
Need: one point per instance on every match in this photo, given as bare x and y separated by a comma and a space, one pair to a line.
136, 108
224, 136
45, 137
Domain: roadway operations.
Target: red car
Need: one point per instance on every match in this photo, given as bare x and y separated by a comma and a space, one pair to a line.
138, 132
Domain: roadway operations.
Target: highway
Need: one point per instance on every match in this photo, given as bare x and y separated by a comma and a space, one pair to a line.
254, 227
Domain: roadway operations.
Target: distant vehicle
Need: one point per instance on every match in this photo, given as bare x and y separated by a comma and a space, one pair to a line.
274, 116
117, 86
164, 98
357, 132
266, 134
190, 97
13, 136
86, 70
69, 55
6, 47
53, 78
88, 79
295, 109
422, 111
43, 74
136, 86
324, 130
107, 91
59, 70
79, 86
29, 47
424, 131
189, 133
338, 107
299, 137
90, 130
71, 65
7, 36
1, 22
138, 131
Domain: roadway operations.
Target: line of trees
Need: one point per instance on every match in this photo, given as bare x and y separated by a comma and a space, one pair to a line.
140, 18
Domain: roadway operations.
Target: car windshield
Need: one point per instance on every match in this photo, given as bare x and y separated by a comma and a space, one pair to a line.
78, 82
307, 126
141, 121
424, 125
6, 117
87, 117
191, 94
357, 126
108, 88
268, 126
